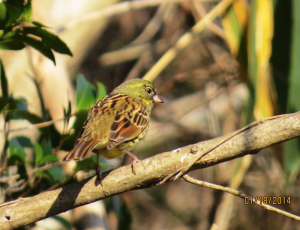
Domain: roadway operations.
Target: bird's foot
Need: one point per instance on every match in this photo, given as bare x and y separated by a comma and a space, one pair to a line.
99, 176
134, 160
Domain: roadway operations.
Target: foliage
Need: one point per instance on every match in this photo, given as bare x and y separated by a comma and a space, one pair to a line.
17, 30
36, 164
261, 36
49, 138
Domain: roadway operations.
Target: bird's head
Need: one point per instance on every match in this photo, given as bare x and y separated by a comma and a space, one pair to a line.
140, 89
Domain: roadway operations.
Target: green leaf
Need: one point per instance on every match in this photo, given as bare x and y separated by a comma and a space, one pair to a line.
21, 103
38, 24
292, 147
101, 91
48, 158
84, 93
39, 46
68, 143
2, 15
69, 111
4, 85
56, 174
43, 108
27, 10
11, 34
35, 43
38, 152
23, 114
11, 103
11, 44
14, 11
16, 149
24, 141
49, 39
47, 148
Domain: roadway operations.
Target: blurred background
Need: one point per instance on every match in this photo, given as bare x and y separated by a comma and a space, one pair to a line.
243, 66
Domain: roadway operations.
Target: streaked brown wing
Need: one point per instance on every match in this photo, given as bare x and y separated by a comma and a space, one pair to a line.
94, 130
81, 150
129, 123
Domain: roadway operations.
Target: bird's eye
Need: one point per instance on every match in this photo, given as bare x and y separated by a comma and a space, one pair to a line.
149, 91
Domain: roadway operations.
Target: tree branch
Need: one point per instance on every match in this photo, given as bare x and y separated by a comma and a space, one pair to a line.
152, 171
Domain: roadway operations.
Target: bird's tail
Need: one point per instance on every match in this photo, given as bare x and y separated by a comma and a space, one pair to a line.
81, 150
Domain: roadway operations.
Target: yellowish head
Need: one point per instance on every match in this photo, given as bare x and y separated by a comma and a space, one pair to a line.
140, 89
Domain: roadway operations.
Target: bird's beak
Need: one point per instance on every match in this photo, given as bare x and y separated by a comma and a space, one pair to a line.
157, 99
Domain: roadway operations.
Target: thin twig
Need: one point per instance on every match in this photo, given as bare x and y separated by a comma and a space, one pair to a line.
152, 26
198, 7
39, 125
237, 193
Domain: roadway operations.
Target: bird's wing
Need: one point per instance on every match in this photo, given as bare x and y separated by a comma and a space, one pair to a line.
95, 130
130, 121
81, 150
115, 119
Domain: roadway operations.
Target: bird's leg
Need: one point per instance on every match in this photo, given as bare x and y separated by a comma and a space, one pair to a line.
134, 160
98, 171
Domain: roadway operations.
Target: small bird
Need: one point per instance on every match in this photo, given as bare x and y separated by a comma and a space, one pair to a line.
117, 123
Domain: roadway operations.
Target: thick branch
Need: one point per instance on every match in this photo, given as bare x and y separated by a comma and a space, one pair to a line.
151, 171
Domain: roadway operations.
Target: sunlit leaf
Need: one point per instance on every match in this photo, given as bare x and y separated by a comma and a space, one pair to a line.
38, 152
84, 93
101, 91
234, 23
260, 32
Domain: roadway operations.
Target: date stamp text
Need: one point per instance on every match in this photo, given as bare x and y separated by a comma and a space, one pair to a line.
270, 200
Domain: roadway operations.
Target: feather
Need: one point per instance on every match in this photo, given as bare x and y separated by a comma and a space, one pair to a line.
81, 150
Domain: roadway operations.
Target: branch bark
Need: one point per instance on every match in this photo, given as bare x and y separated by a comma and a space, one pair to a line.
152, 171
